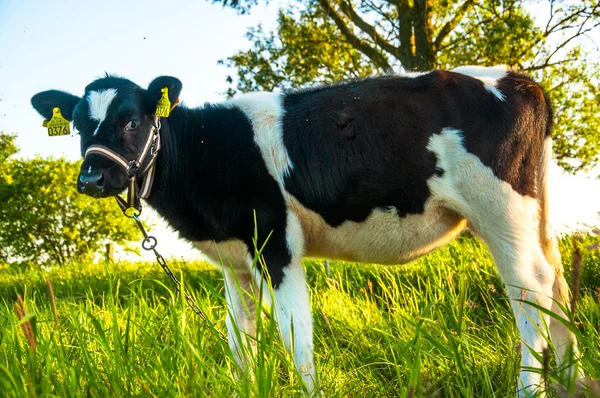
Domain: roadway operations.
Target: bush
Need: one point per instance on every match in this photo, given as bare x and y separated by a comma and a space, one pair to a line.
43, 220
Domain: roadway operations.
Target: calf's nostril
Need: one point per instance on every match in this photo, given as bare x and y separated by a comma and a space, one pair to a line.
100, 181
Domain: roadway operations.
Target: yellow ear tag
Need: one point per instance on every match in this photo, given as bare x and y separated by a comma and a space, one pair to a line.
58, 125
163, 108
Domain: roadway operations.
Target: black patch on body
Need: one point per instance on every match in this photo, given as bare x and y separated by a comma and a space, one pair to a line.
363, 145
358, 146
211, 178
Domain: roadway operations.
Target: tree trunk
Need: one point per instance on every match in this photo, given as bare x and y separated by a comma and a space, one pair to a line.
424, 54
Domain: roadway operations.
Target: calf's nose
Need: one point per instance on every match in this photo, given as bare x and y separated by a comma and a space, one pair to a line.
90, 183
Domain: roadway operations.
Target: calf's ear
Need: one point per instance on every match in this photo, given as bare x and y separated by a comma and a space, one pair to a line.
154, 90
46, 101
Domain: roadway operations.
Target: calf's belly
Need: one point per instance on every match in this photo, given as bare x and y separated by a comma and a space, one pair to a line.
383, 238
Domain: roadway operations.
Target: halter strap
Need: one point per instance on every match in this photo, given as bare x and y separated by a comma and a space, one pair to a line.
131, 168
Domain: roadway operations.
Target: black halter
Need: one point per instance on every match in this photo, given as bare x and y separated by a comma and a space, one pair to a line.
133, 205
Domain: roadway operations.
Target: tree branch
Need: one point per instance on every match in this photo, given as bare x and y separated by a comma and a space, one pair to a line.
546, 64
378, 9
369, 30
379, 59
562, 24
451, 24
563, 44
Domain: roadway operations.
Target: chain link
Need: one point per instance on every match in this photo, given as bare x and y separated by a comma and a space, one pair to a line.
149, 243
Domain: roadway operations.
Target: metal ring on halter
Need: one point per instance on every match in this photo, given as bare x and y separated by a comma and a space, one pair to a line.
131, 211
149, 243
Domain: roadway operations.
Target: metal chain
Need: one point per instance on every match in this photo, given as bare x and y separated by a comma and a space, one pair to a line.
149, 244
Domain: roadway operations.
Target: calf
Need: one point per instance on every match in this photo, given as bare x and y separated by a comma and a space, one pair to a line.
379, 170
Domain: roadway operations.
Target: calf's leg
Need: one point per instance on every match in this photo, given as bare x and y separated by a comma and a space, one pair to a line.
508, 223
241, 315
282, 256
292, 310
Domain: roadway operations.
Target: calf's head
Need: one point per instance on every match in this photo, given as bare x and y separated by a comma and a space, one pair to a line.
114, 113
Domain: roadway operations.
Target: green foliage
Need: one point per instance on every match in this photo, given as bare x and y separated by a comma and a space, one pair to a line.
494, 35
575, 93
438, 327
306, 49
7, 146
43, 220
330, 40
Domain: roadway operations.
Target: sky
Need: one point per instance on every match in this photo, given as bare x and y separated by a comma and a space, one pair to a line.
66, 44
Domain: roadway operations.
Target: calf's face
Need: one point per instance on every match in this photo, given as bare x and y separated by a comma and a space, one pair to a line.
114, 113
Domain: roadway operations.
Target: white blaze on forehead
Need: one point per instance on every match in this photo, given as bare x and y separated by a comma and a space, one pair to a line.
488, 75
99, 101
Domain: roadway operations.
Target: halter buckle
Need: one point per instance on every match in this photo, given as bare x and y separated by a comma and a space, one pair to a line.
134, 166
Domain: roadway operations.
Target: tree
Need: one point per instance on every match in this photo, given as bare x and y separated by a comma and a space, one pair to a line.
43, 220
328, 40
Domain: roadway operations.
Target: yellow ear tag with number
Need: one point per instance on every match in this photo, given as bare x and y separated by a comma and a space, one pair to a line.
58, 125
163, 108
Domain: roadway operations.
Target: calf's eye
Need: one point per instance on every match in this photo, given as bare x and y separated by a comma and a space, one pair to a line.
132, 125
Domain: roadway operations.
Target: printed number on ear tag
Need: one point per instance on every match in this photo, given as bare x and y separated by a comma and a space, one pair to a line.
58, 125
163, 108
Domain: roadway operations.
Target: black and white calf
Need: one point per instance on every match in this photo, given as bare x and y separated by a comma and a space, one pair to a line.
380, 170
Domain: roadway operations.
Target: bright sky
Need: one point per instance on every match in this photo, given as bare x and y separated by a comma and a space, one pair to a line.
68, 43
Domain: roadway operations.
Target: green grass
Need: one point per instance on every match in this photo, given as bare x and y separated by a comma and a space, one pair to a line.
440, 326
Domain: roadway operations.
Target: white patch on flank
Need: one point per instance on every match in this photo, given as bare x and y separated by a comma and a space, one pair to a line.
488, 75
265, 111
99, 101
508, 223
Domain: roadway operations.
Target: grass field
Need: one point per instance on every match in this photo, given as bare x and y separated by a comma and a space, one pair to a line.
438, 327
